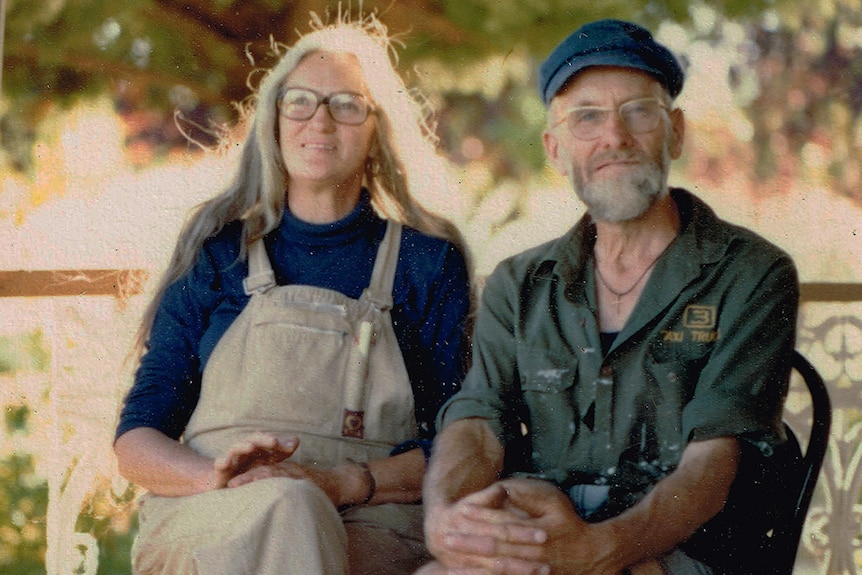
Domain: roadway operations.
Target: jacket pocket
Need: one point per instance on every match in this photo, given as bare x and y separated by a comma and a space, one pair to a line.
547, 385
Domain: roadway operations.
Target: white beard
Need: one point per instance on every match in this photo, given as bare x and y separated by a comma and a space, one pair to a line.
621, 199
625, 197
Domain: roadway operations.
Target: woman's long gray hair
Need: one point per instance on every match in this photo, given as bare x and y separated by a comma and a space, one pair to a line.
407, 157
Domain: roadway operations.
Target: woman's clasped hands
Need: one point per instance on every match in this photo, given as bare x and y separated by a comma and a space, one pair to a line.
264, 456
251, 459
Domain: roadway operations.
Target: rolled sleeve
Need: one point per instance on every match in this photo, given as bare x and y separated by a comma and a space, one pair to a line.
741, 389
487, 391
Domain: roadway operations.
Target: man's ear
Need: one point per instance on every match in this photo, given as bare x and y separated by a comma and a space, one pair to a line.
677, 120
552, 149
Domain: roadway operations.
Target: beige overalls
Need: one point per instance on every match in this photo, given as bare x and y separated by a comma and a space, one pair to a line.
298, 361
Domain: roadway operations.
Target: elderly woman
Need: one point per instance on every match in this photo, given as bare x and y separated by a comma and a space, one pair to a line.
309, 326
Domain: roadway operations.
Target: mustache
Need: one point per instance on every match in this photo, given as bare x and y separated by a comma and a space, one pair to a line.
616, 156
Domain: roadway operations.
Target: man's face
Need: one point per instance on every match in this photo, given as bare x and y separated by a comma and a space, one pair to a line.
620, 171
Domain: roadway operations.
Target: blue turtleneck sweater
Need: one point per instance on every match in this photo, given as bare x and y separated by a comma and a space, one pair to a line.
431, 303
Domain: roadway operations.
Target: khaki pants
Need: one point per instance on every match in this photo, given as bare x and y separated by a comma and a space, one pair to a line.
275, 527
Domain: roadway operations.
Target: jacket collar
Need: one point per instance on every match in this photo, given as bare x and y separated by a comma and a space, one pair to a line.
703, 239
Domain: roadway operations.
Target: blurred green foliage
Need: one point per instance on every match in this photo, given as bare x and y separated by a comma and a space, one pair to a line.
111, 520
193, 58
23, 352
158, 57
23, 506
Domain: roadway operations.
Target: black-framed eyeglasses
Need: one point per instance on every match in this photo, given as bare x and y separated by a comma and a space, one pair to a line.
639, 116
349, 108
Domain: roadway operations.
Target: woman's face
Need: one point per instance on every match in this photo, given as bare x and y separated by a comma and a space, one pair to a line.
320, 152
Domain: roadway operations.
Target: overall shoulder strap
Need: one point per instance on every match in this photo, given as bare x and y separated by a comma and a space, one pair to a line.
379, 292
260, 275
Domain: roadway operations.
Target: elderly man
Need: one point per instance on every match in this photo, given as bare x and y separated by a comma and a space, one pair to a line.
623, 412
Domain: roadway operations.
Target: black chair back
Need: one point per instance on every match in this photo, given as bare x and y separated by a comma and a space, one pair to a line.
784, 542
759, 529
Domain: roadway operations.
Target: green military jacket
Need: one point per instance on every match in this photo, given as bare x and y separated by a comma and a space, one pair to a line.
705, 354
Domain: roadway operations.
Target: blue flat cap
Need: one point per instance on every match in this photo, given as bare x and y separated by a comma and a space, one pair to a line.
609, 43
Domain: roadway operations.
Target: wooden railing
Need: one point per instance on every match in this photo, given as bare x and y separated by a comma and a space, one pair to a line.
50, 283
73, 400
829, 334
124, 283
830, 292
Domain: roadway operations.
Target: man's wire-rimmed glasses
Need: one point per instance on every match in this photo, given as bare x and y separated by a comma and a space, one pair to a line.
349, 108
639, 116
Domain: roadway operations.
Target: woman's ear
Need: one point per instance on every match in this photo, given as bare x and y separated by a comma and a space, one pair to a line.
374, 150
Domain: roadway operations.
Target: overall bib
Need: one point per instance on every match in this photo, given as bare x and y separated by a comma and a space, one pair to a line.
312, 363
